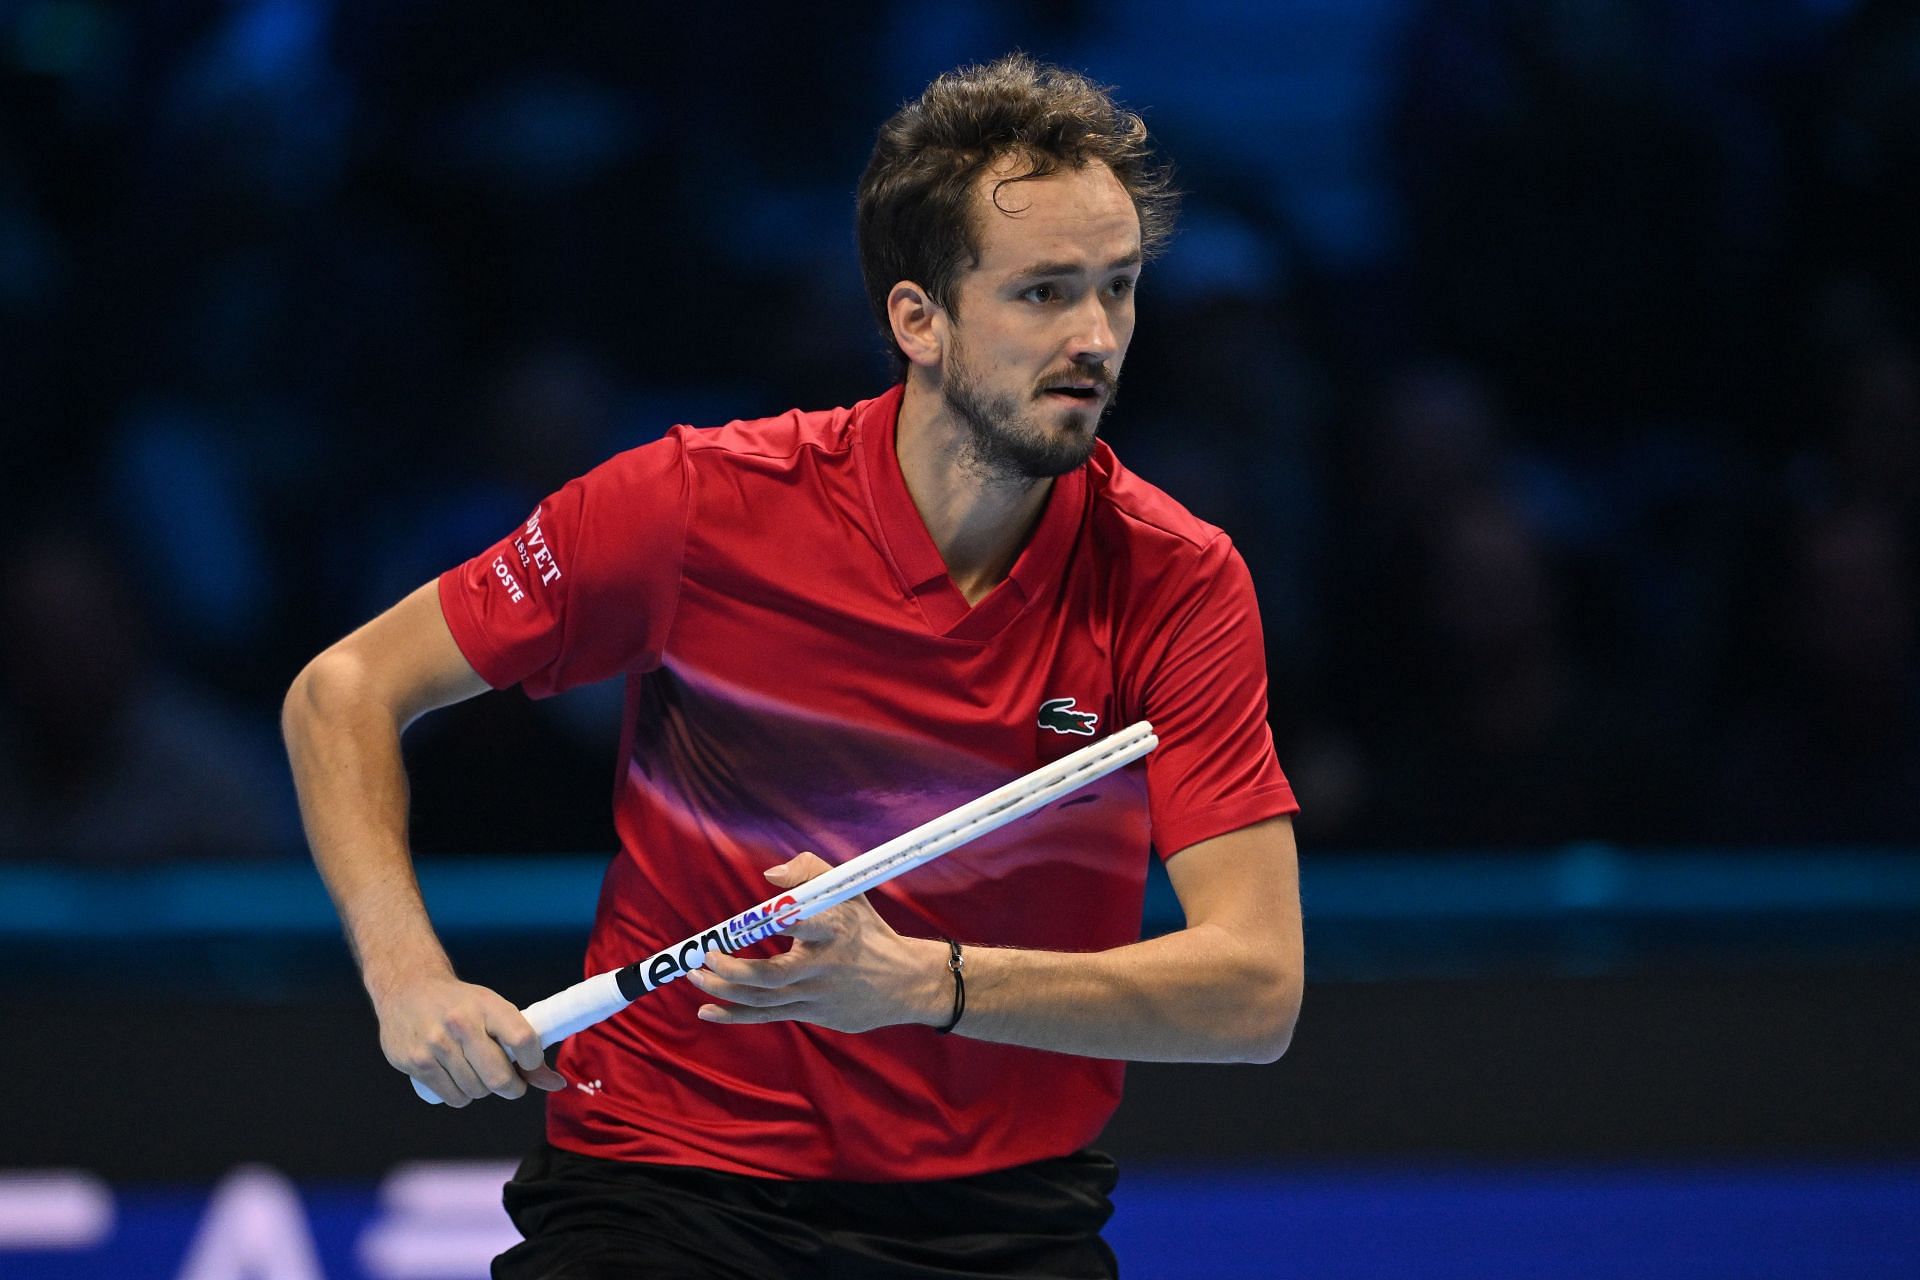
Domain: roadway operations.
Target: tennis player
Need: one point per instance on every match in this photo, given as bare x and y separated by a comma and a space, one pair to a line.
833, 626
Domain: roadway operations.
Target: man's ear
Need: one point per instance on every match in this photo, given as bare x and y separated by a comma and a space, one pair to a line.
919, 324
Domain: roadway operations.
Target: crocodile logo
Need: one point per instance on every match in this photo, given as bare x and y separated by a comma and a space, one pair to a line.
1058, 715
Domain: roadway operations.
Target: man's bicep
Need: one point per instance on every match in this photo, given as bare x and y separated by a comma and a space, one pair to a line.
1247, 882
407, 658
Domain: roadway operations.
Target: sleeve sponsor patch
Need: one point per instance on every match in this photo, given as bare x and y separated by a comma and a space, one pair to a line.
535, 556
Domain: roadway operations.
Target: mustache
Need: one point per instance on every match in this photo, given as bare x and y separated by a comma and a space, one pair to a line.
1099, 375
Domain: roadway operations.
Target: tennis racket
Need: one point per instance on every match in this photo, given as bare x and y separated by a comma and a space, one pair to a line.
605, 994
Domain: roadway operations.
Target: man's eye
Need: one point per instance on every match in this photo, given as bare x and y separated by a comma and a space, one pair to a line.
1040, 293
1122, 287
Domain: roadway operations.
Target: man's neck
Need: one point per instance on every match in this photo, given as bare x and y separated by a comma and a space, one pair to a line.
978, 522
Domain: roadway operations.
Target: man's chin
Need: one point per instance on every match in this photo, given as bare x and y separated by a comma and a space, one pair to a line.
1073, 431
1046, 441
1067, 450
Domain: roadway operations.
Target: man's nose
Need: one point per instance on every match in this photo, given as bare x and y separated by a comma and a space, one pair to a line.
1093, 338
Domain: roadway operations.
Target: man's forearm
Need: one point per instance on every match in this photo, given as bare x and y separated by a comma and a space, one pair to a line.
1196, 995
345, 750
342, 720
1224, 989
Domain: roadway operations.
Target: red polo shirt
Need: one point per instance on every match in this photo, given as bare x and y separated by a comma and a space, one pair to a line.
802, 674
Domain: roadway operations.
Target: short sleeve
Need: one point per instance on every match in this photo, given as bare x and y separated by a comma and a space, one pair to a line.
586, 588
1206, 694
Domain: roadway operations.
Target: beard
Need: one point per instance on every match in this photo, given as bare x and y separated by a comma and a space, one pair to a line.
1005, 442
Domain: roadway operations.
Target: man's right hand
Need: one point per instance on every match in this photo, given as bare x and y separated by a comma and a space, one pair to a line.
462, 1041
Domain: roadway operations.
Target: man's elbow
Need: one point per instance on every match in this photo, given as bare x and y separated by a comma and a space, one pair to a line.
1273, 1017
301, 702
1272, 1046
323, 683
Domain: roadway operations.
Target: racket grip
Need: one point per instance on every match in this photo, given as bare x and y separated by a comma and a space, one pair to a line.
565, 1012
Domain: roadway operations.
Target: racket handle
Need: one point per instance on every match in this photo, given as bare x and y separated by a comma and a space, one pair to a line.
565, 1012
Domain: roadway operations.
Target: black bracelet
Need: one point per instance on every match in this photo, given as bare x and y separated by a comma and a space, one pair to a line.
955, 963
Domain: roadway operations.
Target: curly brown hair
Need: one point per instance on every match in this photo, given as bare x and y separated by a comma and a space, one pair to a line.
915, 215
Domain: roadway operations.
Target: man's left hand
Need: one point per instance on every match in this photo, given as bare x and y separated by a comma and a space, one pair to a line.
847, 970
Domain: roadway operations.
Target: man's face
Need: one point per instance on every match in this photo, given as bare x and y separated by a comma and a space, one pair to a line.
1040, 327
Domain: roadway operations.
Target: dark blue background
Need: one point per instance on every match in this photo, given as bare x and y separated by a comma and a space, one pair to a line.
1767, 1223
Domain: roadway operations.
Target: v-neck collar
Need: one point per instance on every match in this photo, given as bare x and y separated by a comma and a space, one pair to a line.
916, 560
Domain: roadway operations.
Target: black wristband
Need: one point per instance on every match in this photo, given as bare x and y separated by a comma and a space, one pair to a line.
955, 963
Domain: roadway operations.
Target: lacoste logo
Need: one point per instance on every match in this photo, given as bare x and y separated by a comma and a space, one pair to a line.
1058, 715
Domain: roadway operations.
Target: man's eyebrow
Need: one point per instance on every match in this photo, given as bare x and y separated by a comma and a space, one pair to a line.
1039, 269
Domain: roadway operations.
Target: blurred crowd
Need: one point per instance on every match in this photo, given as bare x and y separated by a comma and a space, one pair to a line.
1580, 488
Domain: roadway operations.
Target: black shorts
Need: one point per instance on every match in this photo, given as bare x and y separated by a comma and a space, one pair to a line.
590, 1219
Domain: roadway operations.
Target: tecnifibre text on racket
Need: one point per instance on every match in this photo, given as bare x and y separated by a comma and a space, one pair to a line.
605, 994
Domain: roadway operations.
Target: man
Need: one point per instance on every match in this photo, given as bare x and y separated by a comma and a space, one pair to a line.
834, 626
